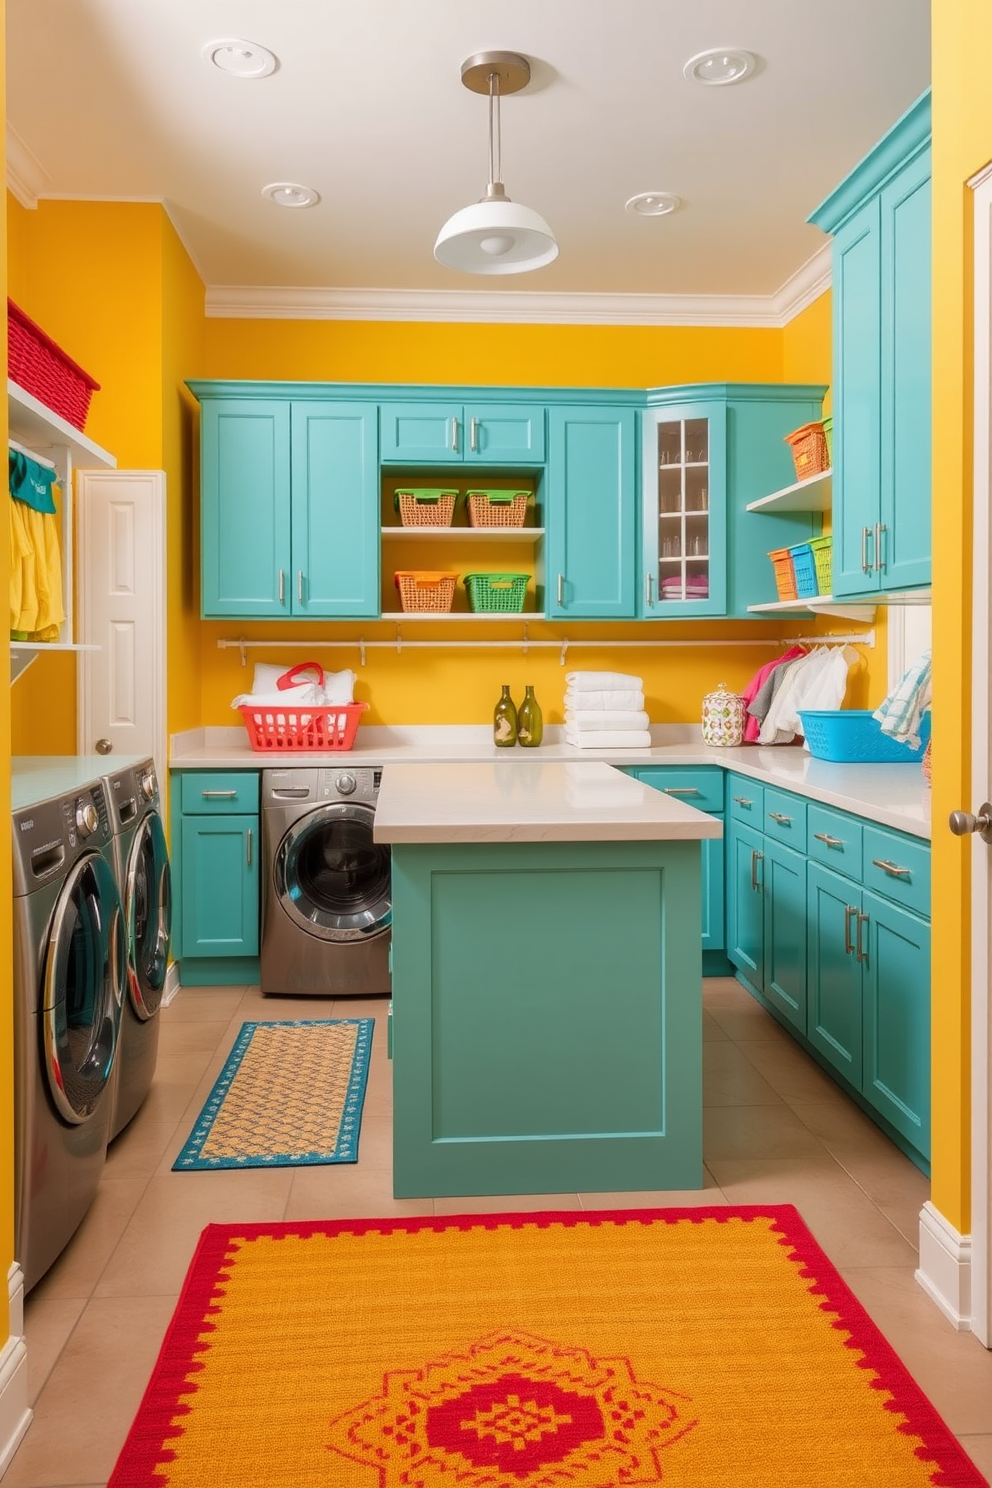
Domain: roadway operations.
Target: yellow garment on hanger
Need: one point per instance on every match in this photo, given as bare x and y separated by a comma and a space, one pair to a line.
35, 573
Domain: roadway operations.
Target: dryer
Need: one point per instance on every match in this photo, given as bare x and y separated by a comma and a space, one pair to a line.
326, 905
144, 882
69, 973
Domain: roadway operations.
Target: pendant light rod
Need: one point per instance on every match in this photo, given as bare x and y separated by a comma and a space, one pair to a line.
495, 157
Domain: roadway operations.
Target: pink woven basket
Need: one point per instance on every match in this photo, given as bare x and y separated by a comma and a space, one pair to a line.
40, 366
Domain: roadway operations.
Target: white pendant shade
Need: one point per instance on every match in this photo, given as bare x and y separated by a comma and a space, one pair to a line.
495, 237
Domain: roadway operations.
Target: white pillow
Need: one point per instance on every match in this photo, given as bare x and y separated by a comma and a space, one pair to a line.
339, 687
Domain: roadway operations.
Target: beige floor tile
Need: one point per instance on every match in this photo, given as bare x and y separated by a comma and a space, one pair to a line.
688, 1198
340, 1191
176, 1078
81, 1264
507, 1203
748, 1020
210, 1004
712, 1032
730, 1079
47, 1328
157, 1246
726, 991
89, 1401
979, 1449
375, 1142
139, 1148
791, 1072
953, 1369
843, 1221
195, 1036
741, 1131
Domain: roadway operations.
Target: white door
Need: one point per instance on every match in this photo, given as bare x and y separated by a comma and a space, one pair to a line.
120, 569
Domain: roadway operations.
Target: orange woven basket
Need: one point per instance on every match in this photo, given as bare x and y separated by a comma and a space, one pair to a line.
40, 366
423, 590
809, 450
785, 573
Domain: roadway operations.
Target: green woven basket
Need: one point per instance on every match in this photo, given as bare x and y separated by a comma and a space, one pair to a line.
490, 593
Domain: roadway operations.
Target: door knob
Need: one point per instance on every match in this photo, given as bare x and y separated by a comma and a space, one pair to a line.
963, 822
104, 746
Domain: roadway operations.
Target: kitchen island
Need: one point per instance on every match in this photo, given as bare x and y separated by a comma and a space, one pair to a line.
547, 979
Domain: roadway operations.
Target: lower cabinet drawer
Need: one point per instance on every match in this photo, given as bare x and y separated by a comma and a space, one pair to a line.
700, 788
898, 867
834, 840
745, 800
784, 819
212, 792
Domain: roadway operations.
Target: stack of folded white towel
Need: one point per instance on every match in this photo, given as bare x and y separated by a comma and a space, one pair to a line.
330, 689
605, 710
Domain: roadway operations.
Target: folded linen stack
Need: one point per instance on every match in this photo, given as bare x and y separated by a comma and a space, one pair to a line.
605, 710
901, 714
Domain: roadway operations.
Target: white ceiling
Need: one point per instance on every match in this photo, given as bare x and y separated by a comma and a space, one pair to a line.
112, 98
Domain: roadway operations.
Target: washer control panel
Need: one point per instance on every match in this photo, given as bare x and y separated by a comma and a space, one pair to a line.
348, 784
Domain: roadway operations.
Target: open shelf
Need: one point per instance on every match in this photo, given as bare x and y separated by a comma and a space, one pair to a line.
847, 609
473, 615
810, 495
526, 535
34, 424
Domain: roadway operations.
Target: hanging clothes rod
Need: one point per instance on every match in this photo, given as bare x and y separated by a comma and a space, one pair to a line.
526, 643
22, 449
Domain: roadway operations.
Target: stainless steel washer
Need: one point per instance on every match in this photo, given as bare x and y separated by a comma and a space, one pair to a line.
141, 858
326, 906
69, 972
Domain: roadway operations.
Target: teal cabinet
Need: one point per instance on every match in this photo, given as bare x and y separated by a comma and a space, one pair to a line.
834, 1025
745, 907
216, 873
289, 509
896, 1071
591, 511
783, 889
706, 452
702, 788
880, 219
447, 433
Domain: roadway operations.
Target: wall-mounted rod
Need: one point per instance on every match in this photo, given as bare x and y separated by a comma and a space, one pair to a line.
22, 449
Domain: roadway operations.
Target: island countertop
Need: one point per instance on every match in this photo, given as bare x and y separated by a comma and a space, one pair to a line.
529, 801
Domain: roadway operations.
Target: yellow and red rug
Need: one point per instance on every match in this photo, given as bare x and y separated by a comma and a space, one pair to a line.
704, 1347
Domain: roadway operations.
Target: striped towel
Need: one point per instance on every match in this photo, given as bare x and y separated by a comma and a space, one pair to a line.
902, 712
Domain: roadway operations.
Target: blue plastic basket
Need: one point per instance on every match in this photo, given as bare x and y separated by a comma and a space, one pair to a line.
852, 736
804, 568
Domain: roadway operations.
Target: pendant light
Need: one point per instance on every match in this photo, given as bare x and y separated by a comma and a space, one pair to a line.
495, 235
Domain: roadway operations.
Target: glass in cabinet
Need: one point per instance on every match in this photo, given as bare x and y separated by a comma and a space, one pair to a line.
683, 534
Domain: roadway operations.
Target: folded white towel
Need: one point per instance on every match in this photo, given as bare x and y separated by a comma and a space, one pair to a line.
603, 682
339, 687
307, 696
625, 698
598, 718
605, 739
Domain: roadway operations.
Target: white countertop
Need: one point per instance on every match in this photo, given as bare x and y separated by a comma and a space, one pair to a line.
531, 801
892, 795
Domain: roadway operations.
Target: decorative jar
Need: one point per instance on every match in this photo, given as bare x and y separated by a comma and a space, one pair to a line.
723, 717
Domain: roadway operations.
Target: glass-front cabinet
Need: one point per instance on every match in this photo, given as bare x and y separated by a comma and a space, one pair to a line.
683, 541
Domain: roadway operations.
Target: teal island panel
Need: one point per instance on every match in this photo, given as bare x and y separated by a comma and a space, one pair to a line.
546, 1018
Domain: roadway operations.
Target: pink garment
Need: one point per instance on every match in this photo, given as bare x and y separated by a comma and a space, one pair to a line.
752, 726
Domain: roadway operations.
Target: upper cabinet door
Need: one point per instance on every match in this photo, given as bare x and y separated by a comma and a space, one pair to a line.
244, 499
857, 333
684, 521
501, 434
591, 477
335, 509
904, 545
431, 433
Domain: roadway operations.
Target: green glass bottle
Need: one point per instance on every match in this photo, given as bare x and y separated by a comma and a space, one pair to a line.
530, 721
505, 721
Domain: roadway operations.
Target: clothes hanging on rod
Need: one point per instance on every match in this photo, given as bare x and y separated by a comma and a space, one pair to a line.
22, 449
36, 607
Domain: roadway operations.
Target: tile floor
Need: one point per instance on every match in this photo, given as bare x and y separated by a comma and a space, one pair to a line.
777, 1130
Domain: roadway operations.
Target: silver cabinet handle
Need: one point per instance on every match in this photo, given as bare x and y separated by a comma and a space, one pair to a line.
454, 433
473, 434
743, 801
880, 528
680, 790
777, 816
830, 841
648, 600
282, 586
862, 920
892, 869
250, 835
756, 858
299, 585
218, 795
561, 591
849, 910
867, 564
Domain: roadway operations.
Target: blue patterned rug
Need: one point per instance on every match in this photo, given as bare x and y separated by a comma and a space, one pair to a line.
289, 1095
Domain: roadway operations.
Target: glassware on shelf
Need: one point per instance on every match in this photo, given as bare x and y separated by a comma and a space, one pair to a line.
530, 721
671, 547
505, 720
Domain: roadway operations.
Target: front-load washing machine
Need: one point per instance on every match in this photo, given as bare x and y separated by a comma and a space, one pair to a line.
144, 881
69, 973
326, 906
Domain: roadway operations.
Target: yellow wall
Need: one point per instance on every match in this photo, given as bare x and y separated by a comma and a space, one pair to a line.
6, 924
962, 145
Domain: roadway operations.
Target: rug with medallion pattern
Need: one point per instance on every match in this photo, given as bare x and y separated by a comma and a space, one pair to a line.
712, 1347
290, 1094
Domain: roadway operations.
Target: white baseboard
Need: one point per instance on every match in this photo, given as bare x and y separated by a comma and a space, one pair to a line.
945, 1267
15, 1413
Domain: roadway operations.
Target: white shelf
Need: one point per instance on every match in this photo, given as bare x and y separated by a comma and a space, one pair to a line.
34, 424
847, 609
460, 615
528, 535
809, 495
23, 653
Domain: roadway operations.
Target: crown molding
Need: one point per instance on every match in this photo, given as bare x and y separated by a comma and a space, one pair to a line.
289, 302
26, 179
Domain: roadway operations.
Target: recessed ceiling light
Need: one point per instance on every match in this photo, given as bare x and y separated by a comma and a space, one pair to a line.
290, 194
720, 66
653, 203
243, 59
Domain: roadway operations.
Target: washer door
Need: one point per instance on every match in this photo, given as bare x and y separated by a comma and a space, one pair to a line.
148, 916
329, 875
83, 988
